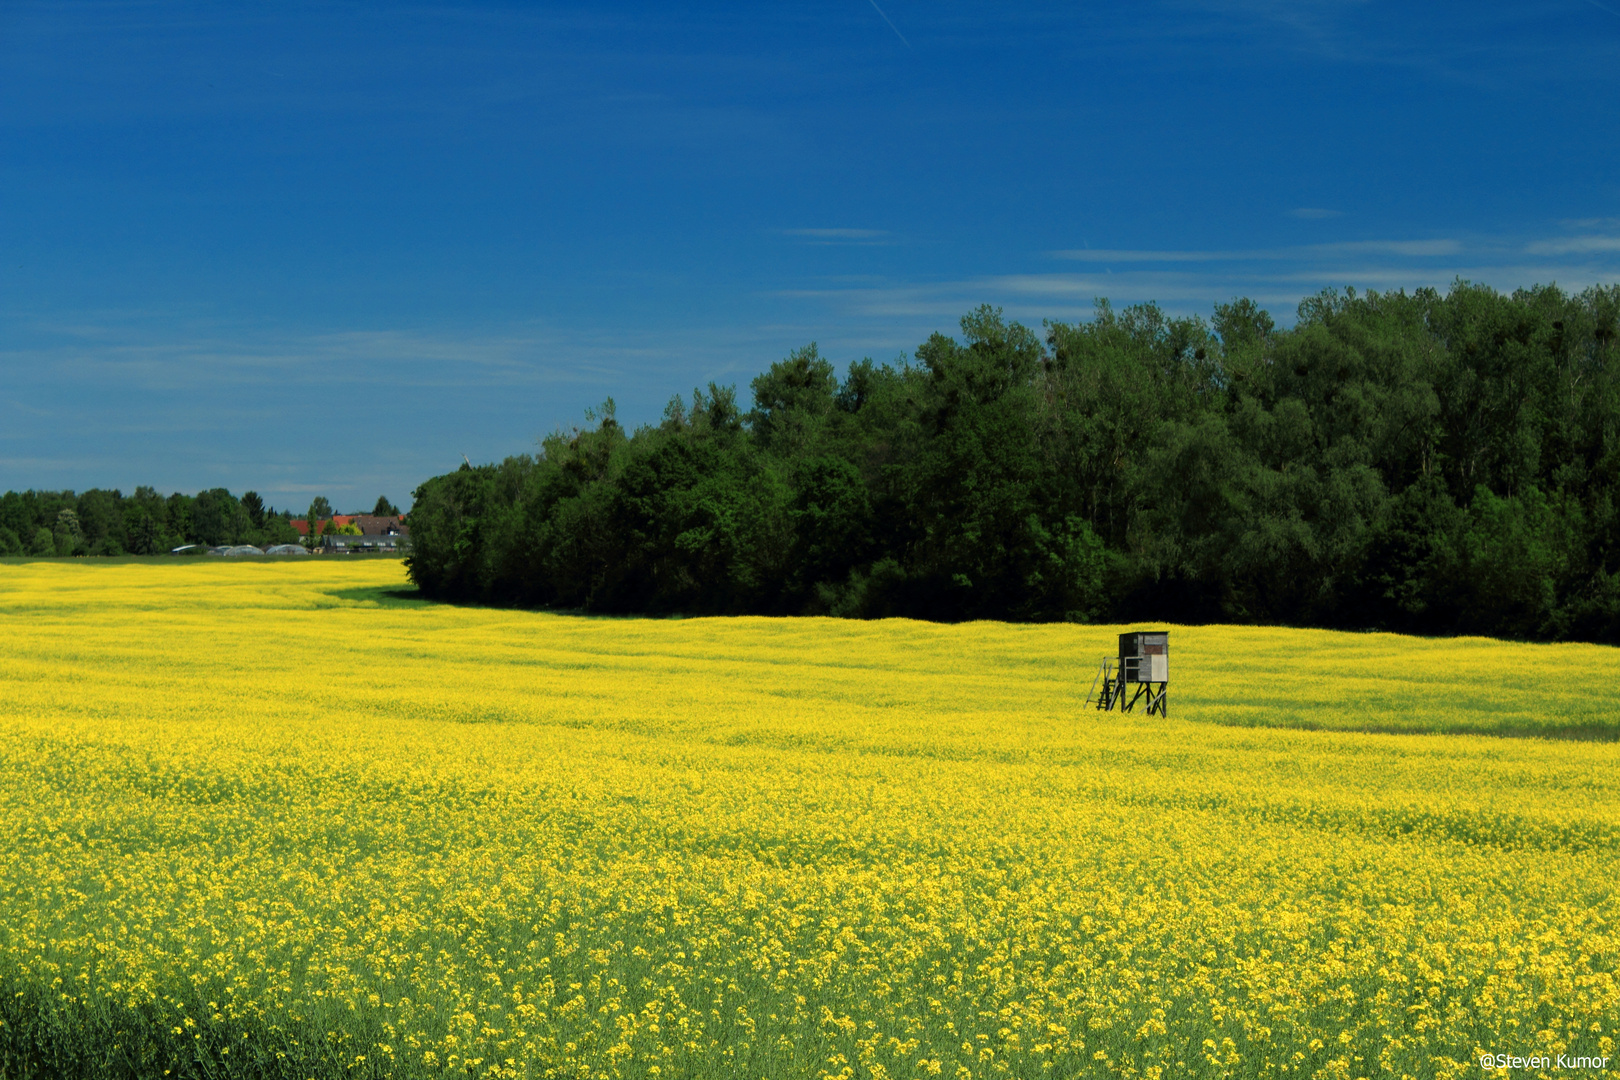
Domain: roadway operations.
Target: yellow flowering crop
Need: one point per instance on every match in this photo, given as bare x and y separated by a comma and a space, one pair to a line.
281, 820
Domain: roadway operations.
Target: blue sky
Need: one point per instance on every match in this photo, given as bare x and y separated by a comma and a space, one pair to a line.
329, 248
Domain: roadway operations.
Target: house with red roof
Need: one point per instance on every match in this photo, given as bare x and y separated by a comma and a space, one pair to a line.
337, 520
377, 532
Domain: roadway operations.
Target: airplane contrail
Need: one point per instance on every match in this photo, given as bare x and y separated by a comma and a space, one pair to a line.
1594, 3
890, 21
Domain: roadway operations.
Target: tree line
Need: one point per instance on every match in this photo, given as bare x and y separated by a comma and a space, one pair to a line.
1421, 462
107, 522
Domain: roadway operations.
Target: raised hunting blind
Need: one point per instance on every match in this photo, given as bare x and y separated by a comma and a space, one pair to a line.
1142, 669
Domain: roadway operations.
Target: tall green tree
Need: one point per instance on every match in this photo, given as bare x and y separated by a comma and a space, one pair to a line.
68, 534
253, 504
319, 510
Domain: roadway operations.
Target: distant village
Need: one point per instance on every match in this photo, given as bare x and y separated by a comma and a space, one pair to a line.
340, 534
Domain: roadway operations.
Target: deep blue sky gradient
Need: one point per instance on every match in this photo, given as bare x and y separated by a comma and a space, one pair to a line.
329, 248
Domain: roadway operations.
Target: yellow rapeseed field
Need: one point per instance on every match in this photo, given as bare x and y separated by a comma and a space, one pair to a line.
278, 820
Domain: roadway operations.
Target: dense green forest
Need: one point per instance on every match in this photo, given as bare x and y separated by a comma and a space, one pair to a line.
1418, 462
100, 522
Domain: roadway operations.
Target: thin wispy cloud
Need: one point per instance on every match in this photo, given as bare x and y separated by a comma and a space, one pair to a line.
1574, 245
254, 408
1191, 281
890, 21
143, 358
1119, 255
838, 234
1411, 248
841, 237
1314, 213
1033, 297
